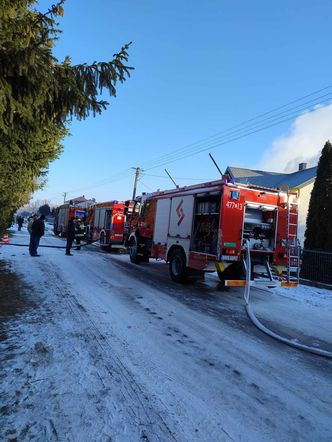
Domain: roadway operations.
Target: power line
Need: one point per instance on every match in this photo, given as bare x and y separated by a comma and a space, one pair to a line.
176, 177
144, 185
225, 140
300, 107
214, 141
241, 130
230, 134
116, 177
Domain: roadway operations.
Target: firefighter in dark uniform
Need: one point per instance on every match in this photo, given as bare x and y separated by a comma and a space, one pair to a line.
79, 232
70, 235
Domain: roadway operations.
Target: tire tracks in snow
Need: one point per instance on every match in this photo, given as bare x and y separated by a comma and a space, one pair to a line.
271, 397
239, 362
140, 407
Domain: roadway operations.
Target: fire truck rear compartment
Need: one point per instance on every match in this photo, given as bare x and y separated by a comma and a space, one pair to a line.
259, 228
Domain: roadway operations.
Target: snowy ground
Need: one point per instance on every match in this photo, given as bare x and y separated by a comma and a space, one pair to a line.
94, 348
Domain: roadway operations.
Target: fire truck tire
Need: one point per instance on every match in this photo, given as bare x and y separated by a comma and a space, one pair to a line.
222, 278
177, 266
133, 251
235, 271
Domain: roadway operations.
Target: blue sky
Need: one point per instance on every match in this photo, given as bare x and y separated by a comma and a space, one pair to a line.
200, 68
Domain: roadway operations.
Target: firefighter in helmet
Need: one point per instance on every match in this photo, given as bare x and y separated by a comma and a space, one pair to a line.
79, 232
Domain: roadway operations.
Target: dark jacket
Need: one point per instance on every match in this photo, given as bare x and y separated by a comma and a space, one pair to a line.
79, 229
38, 228
71, 230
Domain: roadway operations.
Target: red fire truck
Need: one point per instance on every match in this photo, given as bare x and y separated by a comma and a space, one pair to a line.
208, 227
63, 214
107, 223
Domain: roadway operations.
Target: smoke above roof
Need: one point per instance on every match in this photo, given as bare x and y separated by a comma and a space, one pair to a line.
303, 144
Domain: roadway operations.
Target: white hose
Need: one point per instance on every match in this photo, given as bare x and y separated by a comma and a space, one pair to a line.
269, 332
266, 330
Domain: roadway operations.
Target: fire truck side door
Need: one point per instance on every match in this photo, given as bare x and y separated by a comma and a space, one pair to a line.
181, 220
162, 221
182, 208
108, 218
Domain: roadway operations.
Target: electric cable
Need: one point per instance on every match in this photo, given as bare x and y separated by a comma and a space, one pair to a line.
218, 144
212, 143
241, 133
144, 185
176, 177
242, 126
234, 133
231, 135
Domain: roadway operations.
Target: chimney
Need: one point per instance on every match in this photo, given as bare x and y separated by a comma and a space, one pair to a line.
303, 166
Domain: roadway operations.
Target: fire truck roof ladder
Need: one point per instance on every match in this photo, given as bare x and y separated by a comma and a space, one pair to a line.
293, 248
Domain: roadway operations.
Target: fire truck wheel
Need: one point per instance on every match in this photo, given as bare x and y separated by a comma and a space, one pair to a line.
133, 251
177, 266
234, 271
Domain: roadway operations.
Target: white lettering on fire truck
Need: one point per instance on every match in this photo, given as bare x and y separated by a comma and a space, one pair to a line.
234, 205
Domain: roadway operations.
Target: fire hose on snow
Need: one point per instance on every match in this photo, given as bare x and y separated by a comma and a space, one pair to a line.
40, 245
6, 243
266, 330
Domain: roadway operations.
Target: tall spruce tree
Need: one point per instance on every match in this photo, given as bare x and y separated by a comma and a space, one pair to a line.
40, 95
318, 235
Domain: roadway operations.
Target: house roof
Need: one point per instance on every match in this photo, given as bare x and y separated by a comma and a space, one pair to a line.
272, 179
80, 199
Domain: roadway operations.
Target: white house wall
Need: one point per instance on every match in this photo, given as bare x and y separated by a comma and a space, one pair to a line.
305, 194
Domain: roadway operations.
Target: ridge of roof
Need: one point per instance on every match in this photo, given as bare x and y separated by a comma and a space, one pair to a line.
298, 178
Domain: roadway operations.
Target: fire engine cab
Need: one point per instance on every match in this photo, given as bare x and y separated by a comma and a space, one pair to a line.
211, 226
107, 223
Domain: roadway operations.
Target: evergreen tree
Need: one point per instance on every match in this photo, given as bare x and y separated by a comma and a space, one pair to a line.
38, 97
318, 235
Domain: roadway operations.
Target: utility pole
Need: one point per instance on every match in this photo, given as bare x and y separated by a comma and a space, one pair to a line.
64, 196
138, 170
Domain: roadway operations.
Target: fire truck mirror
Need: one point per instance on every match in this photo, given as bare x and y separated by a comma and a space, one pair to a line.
125, 211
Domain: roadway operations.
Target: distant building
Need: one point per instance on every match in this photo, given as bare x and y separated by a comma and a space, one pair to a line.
81, 201
303, 179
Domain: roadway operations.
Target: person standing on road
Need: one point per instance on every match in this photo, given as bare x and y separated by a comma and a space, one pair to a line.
70, 235
20, 221
79, 232
37, 231
32, 218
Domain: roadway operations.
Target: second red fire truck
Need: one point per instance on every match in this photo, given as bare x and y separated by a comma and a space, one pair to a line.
107, 223
211, 226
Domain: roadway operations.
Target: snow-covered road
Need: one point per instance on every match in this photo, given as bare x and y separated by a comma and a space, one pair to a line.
106, 350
